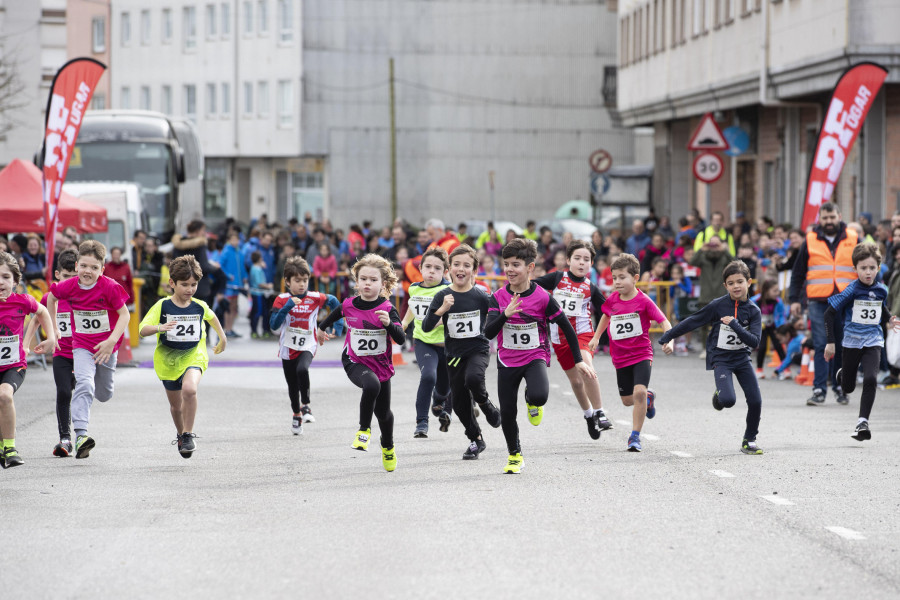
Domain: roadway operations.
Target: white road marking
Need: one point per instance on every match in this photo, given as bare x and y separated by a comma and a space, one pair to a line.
651, 437
720, 473
778, 500
568, 394
681, 454
847, 534
623, 422
554, 385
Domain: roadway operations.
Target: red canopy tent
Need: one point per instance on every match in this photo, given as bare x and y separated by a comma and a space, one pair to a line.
22, 204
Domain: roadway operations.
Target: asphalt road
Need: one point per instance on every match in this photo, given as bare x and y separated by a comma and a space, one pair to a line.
258, 512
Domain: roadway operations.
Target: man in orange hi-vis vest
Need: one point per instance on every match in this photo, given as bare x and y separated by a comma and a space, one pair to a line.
825, 267
439, 236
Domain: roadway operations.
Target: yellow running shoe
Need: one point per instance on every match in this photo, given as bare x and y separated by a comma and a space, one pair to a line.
388, 459
362, 440
535, 414
514, 464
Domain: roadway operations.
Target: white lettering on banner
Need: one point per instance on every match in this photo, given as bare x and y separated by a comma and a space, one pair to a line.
368, 342
9, 350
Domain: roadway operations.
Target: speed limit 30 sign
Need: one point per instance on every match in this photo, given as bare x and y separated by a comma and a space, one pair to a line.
708, 167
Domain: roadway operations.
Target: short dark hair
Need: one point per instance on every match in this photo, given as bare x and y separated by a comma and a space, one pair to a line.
468, 251
786, 329
829, 207
255, 256
295, 266
579, 245
195, 226
185, 267
864, 251
520, 248
67, 260
439, 253
626, 262
736, 267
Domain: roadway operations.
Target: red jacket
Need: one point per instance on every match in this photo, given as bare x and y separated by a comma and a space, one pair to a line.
121, 274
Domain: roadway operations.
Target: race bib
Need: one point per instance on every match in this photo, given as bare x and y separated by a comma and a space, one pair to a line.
572, 303
187, 328
419, 305
464, 325
521, 336
9, 350
368, 342
296, 338
866, 312
91, 321
768, 320
729, 340
64, 323
622, 327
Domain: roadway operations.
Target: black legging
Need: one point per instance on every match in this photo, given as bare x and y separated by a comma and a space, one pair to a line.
64, 376
768, 333
537, 390
869, 359
467, 383
433, 380
376, 399
296, 373
727, 397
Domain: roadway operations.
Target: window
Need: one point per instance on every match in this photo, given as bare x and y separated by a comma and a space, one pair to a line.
286, 20
190, 101
211, 20
125, 98
126, 28
98, 101
226, 98
262, 98
98, 34
262, 16
226, 19
248, 98
145, 97
189, 23
166, 25
165, 100
210, 98
285, 103
248, 17
145, 27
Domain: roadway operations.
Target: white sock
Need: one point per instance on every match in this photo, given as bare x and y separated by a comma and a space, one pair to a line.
862, 420
589, 413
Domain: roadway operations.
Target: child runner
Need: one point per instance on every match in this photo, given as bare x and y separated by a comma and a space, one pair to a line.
793, 344
180, 357
734, 332
773, 313
297, 310
13, 310
259, 289
99, 318
367, 350
580, 301
462, 309
862, 307
628, 312
434, 383
520, 314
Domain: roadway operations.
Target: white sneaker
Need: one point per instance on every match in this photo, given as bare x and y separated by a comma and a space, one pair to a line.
297, 425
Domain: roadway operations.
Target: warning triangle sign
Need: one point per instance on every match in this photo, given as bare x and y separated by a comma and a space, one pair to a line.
707, 136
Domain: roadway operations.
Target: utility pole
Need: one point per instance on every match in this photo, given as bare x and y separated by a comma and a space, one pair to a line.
491, 181
393, 146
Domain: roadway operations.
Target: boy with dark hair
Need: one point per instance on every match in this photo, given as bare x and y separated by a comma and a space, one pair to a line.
736, 326
521, 313
296, 313
862, 308
180, 357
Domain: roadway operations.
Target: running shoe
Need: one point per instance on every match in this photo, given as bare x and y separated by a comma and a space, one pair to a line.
296, 425
593, 428
11, 458
187, 446
444, 419
602, 422
254, 335
786, 374
388, 459
634, 442
475, 448
83, 446
760, 374
421, 431
535, 414
306, 412
361, 442
514, 464
841, 397
716, 404
437, 409
818, 397
862, 433
63, 448
750, 447
491, 413
651, 405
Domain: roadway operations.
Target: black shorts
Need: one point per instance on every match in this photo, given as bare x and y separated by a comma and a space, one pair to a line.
632, 375
13, 377
175, 385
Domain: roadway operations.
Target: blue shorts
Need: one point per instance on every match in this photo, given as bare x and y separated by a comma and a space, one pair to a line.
175, 385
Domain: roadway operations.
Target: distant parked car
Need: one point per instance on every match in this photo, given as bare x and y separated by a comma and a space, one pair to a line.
580, 230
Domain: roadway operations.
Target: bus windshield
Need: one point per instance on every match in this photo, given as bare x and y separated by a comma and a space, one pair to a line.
149, 165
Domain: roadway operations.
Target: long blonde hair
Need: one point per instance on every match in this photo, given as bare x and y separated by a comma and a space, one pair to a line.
389, 279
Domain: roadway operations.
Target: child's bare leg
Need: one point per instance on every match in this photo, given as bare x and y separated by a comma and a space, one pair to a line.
189, 398
7, 412
639, 411
175, 405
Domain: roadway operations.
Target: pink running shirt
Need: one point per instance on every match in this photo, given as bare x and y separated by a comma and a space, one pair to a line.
12, 327
94, 310
629, 328
64, 322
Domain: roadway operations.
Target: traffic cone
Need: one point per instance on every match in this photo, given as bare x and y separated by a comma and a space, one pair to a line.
397, 355
806, 366
774, 363
124, 358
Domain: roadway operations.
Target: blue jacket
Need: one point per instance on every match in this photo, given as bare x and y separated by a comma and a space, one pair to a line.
857, 334
276, 319
780, 313
747, 327
795, 347
234, 269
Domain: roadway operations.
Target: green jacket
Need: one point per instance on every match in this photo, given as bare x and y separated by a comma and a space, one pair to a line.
707, 234
710, 274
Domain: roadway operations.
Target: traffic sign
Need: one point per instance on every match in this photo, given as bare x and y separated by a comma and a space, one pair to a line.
599, 184
708, 167
738, 140
707, 136
600, 161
